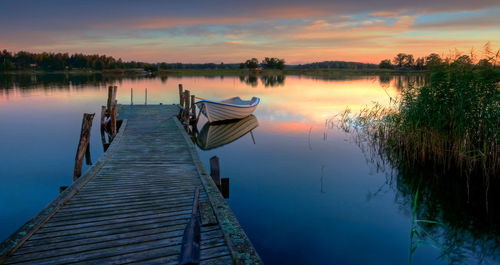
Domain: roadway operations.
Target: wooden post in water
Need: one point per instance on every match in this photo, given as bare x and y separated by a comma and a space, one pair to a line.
103, 129
82, 144
110, 98
131, 96
113, 119
193, 109
103, 117
146, 96
181, 102
186, 106
215, 170
115, 91
88, 159
190, 248
181, 95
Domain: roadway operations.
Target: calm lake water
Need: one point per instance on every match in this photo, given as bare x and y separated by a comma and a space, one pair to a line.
303, 191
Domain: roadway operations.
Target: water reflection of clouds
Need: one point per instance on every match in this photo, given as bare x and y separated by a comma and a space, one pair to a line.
291, 99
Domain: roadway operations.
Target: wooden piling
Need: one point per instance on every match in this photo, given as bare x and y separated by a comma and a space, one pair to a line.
112, 121
215, 170
181, 95
110, 98
103, 129
186, 106
190, 249
115, 90
82, 144
88, 159
103, 116
193, 107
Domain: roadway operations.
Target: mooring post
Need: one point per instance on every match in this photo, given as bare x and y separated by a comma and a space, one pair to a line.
193, 108
88, 159
103, 129
186, 106
146, 96
115, 91
110, 99
181, 103
113, 119
82, 144
181, 95
215, 170
190, 248
131, 96
103, 117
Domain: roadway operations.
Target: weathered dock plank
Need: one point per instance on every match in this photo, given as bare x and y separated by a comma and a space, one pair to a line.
133, 205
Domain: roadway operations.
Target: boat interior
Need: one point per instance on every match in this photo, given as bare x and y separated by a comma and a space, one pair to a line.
239, 101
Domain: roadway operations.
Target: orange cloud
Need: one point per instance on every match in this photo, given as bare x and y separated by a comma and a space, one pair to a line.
364, 30
155, 23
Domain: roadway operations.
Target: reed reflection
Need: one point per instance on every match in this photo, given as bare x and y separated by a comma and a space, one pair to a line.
455, 213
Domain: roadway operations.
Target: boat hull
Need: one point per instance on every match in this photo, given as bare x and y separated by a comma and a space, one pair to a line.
217, 111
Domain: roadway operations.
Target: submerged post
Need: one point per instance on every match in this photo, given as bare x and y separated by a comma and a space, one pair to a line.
82, 144
215, 170
224, 188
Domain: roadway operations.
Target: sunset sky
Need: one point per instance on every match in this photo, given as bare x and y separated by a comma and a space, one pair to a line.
232, 31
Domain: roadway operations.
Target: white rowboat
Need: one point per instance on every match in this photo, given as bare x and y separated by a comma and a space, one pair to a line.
229, 109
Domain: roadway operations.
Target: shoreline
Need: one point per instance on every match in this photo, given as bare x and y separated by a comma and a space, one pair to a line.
222, 72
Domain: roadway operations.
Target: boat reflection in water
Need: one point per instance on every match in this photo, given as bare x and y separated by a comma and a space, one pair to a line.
216, 135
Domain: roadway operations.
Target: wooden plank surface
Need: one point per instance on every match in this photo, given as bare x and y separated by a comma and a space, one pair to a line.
135, 207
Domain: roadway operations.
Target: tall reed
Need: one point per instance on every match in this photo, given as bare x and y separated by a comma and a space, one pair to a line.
452, 121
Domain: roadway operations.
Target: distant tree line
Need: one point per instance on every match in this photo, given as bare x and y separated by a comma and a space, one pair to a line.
403, 61
214, 66
334, 65
62, 61
267, 63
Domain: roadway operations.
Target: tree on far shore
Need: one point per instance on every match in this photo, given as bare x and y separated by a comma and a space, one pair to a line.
252, 63
385, 64
273, 63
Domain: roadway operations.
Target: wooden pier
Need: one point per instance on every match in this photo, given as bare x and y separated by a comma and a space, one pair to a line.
133, 204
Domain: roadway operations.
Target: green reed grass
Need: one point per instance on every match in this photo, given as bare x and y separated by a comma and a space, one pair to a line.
452, 121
